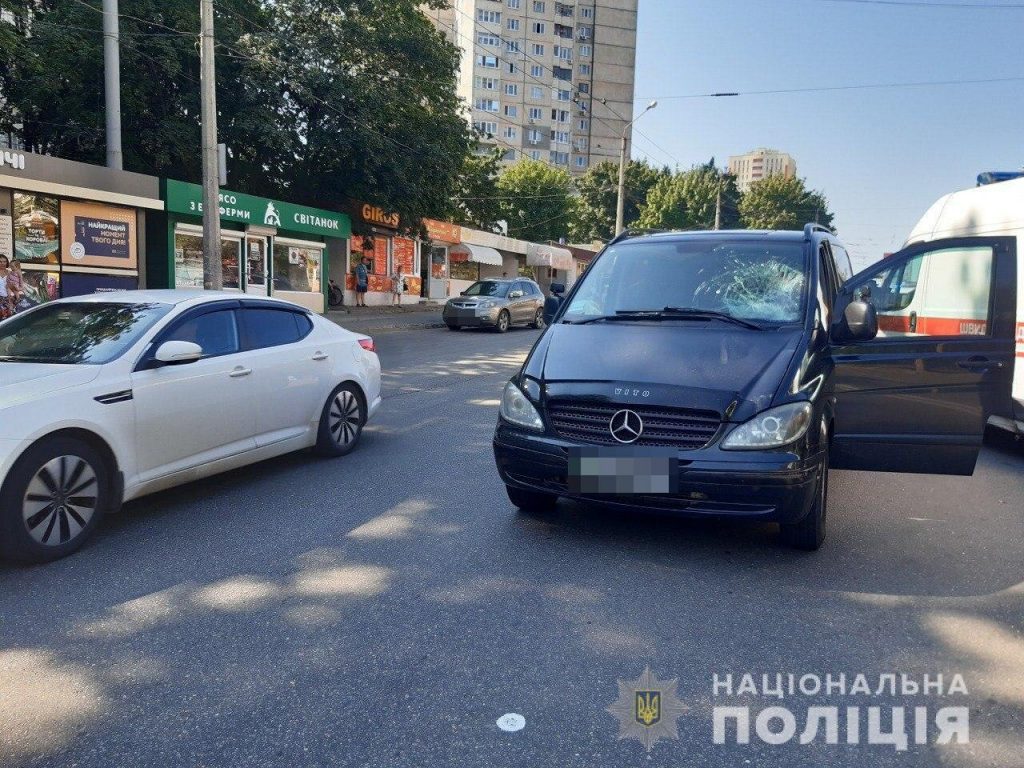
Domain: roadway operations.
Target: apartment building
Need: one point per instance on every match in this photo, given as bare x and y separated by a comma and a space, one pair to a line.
759, 164
546, 79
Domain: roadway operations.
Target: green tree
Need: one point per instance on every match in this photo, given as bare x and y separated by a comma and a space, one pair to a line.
597, 198
689, 199
477, 204
537, 204
318, 99
778, 202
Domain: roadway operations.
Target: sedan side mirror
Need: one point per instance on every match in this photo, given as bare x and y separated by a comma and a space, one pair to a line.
858, 323
558, 288
178, 352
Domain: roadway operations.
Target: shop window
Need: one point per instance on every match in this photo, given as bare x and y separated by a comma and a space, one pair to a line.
465, 270
297, 268
36, 228
188, 261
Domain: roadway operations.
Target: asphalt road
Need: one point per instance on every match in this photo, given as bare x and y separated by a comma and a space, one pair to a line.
387, 608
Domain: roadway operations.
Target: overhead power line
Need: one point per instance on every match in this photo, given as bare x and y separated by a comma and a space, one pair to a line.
822, 89
936, 4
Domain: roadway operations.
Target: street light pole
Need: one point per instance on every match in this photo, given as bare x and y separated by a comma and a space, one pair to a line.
620, 212
212, 273
112, 82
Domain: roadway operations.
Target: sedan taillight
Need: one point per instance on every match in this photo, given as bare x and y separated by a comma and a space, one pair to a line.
368, 345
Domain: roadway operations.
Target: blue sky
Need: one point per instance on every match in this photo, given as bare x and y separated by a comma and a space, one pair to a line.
880, 156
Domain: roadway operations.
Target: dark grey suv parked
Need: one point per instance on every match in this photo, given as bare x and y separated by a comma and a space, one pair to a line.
496, 303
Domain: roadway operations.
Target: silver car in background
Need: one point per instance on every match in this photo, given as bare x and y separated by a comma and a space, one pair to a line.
496, 303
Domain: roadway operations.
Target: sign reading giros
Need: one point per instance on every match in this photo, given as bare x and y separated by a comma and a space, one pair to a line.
376, 215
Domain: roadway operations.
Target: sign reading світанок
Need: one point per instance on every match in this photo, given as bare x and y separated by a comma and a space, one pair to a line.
184, 198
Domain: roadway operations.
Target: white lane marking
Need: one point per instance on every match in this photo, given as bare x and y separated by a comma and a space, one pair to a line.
512, 722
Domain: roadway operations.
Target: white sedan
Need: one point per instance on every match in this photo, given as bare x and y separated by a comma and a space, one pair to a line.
108, 397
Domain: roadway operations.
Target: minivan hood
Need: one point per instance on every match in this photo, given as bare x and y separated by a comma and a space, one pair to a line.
700, 365
28, 381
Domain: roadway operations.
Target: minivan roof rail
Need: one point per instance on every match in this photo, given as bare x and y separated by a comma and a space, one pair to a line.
811, 228
635, 232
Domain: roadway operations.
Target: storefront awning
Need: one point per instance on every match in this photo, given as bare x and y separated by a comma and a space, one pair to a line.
478, 253
548, 256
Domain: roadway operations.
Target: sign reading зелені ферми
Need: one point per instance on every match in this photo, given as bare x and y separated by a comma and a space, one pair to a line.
182, 197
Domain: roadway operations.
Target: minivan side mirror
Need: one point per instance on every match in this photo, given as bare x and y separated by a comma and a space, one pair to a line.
558, 288
178, 352
858, 323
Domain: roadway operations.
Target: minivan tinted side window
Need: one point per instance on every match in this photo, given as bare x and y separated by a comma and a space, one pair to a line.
271, 327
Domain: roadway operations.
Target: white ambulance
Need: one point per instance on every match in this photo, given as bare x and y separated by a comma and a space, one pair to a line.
952, 293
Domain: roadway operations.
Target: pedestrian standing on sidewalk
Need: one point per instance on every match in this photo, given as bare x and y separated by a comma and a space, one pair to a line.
397, 288
362, 282
6, 302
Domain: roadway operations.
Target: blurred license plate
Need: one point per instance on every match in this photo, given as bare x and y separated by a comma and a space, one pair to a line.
614, 470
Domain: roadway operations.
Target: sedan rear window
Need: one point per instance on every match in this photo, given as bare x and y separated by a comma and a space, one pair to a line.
273, 327
87, 332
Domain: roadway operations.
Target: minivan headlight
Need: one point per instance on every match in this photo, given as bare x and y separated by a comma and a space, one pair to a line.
771, 429
517, 409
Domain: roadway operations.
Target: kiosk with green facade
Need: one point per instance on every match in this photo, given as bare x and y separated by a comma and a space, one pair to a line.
268, 247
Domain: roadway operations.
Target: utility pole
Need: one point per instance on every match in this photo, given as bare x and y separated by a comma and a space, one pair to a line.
620, 211
718, 207
112, 82
212, 274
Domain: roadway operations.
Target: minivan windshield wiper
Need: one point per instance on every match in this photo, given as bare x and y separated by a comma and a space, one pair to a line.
710, 314
668, 313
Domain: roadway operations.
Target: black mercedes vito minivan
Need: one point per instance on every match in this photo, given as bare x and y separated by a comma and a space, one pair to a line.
723, 373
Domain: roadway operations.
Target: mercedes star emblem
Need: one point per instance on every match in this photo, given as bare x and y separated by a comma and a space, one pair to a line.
626, 426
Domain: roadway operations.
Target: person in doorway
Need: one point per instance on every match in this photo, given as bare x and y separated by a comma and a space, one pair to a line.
6, 305
362, 281
397, 288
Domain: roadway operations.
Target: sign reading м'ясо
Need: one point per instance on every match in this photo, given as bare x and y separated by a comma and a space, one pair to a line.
182, 197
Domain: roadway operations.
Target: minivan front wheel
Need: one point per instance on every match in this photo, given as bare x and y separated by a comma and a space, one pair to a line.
809, 533
52, 500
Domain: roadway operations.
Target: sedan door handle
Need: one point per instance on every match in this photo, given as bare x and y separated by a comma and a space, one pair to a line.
320, 356
239, 372
979, 364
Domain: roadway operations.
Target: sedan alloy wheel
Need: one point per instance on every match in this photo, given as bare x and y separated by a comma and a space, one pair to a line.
60, 500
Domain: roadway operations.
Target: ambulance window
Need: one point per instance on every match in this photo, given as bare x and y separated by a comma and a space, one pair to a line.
944, 292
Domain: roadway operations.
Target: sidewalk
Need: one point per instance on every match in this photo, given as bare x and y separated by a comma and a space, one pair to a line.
377, 319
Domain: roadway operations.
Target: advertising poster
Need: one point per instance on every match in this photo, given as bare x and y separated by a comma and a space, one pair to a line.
80, 284
96, 235
404, 255
36, 228
39, 287
6, 236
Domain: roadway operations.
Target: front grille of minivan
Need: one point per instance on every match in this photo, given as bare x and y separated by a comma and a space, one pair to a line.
587, 422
